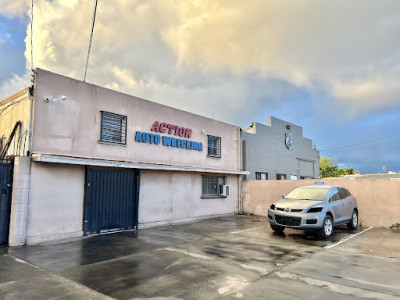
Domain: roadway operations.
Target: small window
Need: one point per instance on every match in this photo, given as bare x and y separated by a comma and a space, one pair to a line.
261, 176
113, 128
212, 186
214, 146
280, 176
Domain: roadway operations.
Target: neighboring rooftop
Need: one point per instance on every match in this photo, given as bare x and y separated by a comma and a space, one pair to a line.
375, 176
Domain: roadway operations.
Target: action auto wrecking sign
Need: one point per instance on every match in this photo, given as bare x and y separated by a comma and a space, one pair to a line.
156, 139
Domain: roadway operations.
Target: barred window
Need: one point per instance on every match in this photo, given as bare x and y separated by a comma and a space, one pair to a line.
214, 146
113, 128
212, 186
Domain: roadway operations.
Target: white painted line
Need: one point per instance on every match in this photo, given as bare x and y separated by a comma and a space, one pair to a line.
337, 288
348, 238
236, 232
260, 270
195, 255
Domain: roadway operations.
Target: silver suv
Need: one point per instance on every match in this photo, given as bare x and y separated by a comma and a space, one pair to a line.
315, 208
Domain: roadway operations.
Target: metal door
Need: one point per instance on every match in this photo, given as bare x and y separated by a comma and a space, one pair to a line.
111, 200
6, 177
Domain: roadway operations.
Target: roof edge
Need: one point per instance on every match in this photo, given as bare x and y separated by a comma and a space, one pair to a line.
14, 96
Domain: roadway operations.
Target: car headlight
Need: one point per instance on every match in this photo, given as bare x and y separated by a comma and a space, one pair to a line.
315, 210
272, 207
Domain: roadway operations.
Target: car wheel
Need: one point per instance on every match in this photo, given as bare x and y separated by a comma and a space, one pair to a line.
277, 228
327, 228
354, 221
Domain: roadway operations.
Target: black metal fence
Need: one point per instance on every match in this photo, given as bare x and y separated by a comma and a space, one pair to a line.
6, 177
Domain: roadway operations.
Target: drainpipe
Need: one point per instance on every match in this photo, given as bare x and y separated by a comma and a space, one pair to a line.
30, 117
239, 144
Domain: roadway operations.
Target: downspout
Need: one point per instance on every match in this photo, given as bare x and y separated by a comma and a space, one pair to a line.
240, 204
31, 97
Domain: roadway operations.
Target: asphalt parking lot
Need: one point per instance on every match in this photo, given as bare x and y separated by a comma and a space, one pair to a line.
237, 257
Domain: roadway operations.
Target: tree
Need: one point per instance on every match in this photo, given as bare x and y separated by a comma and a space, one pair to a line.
346, 171
330, 169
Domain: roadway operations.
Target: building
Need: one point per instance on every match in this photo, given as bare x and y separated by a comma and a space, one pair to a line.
89, 159
278, 151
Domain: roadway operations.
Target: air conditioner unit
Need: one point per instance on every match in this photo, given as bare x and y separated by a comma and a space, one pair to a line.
224, 190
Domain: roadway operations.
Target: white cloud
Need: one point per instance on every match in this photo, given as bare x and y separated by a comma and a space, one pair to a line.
13, 85
198, 55
14, 8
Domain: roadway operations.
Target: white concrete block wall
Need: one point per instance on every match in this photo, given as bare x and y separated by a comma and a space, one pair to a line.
266, 150
56, 200
20, 199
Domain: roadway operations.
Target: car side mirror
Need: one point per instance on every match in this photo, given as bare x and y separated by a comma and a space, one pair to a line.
283, 196
330, 199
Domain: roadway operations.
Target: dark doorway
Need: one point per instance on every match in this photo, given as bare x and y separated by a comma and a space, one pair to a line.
6, 177
112, 200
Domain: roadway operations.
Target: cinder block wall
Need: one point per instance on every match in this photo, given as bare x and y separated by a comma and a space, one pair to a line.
378, 199
266, 151
20, 200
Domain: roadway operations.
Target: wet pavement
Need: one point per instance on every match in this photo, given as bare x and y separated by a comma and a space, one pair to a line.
236, 257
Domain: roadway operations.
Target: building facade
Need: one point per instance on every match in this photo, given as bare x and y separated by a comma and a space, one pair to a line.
96, 160
278, 151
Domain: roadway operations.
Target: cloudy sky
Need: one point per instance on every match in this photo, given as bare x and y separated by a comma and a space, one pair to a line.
332, 67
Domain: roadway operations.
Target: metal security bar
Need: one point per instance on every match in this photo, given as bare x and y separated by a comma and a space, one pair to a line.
214, 146
211, 186
113, 128
6, 177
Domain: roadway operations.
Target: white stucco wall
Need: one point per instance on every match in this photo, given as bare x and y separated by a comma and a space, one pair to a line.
55, 202
174, 197
72, 127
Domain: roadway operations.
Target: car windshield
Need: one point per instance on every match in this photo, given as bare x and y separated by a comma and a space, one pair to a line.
315, 194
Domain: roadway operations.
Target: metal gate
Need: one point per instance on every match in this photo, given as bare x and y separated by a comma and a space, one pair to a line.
6, 177
111, 200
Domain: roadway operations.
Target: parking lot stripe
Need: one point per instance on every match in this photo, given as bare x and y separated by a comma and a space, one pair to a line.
337, 287
347, 238
236, 232
260, 270
195, 255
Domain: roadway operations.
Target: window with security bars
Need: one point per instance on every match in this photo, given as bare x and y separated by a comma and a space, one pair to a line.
113, 128
212, 186
214, 146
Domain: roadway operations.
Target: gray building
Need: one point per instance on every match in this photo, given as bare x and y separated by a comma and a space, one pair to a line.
278, 151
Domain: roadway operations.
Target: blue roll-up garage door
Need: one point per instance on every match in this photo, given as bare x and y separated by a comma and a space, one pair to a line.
111, 200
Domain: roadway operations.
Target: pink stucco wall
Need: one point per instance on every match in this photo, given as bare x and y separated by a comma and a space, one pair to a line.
378, 199
72, 127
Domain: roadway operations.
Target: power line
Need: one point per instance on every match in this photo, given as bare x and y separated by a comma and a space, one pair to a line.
91, 37
367, 142
365, 148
